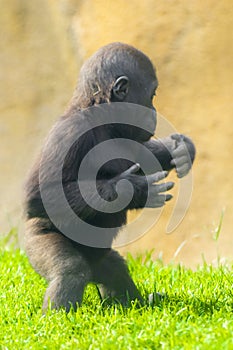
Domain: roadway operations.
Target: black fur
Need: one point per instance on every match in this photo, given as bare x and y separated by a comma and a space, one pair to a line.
69, 266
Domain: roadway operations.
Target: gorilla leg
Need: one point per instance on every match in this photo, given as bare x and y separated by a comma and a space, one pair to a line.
65, 291
61, 263
113, 276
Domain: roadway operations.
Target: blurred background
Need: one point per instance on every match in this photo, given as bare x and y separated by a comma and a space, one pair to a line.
43, 44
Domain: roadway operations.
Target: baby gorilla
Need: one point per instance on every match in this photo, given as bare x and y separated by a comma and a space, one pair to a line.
115, 73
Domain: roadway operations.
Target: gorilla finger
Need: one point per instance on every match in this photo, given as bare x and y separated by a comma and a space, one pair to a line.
181, 175
180, 161
161, 199
156, 177
132, 170
180, 151
168, 197
182, 171
177, 137
163, 187
158, 201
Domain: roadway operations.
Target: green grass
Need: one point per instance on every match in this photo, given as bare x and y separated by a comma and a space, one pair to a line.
196, 314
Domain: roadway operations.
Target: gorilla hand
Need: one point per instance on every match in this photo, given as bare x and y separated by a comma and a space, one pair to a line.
183, 153
146, 189
155, 198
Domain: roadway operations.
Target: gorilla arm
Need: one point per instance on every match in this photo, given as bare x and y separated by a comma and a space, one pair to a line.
145, 189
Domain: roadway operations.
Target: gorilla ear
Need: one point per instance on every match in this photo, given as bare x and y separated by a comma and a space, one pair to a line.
120, 88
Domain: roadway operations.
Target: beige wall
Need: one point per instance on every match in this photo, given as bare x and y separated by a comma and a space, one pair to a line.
42, 46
